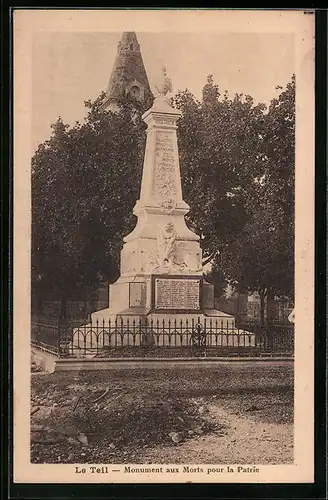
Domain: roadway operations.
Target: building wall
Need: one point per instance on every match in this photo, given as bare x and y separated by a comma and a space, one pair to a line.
248, 308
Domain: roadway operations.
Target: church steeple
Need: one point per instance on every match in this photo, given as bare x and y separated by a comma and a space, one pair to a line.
128, 79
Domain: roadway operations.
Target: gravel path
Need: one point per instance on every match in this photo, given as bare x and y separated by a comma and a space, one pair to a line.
243, 440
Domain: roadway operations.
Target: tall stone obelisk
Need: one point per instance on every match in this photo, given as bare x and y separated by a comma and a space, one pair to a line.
161, 260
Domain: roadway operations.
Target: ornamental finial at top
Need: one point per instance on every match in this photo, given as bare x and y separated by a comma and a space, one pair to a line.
165, 85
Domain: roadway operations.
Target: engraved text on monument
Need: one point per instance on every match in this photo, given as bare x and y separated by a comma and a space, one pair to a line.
164, 185
177, 294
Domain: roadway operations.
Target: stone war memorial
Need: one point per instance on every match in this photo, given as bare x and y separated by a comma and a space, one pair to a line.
161, 297
161, 260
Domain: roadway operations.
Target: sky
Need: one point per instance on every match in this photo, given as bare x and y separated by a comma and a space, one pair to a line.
71, 67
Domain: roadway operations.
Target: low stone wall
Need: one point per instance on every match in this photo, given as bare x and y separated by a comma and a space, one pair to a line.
87, 364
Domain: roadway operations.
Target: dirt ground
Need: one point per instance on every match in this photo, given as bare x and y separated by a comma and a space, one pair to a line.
231, 413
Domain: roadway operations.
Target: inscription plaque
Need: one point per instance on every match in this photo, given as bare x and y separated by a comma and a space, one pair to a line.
177, 293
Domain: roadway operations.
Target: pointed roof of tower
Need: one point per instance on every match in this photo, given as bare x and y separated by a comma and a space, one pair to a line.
128, 73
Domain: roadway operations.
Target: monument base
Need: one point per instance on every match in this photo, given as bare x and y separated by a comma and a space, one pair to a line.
161, 311
141, 328
162, 299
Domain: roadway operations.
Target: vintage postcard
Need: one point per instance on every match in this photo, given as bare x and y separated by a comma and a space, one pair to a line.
163, 246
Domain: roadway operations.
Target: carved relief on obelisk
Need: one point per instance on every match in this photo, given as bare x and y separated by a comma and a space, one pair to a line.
164, 188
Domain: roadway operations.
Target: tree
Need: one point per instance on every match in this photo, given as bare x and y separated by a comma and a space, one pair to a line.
221, 153
262, 256
85, 181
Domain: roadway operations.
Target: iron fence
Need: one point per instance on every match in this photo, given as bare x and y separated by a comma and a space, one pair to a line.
47, 331
166, 338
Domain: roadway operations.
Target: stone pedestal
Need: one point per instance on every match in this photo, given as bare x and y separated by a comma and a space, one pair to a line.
161, 260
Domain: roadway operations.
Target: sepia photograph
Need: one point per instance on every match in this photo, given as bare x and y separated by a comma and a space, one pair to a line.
163, 233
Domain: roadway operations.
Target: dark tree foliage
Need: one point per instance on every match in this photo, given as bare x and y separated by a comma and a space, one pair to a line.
220, 145
85, 181
261, 257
